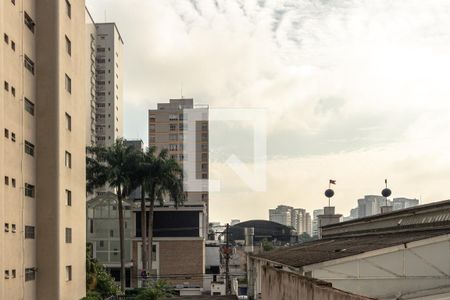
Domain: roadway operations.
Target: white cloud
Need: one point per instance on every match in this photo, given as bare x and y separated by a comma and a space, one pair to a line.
358, 85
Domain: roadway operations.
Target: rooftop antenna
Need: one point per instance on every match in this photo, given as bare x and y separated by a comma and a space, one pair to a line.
329, 192
386, 192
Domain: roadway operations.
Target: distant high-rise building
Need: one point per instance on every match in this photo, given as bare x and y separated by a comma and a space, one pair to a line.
315, 229
297, 218
109, 84
371, 205
401, 203
282, 215
308, 222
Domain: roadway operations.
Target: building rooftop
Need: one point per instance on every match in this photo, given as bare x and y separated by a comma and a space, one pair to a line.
334, 248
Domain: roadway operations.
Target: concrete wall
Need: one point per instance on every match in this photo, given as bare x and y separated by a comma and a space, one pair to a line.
283, 285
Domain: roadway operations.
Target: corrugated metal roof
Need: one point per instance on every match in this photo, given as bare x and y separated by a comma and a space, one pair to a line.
333, 248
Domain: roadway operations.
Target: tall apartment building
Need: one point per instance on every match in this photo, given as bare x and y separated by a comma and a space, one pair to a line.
42, 149
402, 203
315, 221
172, 126
108, 84
282, 215
371, 205
297, 218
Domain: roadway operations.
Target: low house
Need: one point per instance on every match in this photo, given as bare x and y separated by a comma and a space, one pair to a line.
403, 254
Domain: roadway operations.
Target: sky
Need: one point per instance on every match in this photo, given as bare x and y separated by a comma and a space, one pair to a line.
356, 91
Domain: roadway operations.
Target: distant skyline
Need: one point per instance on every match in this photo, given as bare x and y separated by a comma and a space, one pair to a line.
355, 91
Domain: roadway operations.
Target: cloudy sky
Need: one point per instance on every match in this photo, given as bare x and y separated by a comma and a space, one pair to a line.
357, 91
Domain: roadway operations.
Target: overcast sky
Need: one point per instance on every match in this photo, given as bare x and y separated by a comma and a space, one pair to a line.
357, 91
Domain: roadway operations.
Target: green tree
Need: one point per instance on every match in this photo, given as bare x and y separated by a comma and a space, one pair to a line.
99, 283
114, 166
163, 179
156, 291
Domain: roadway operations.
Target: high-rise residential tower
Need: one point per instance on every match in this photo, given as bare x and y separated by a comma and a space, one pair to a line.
109, 84
182, 128
42, 150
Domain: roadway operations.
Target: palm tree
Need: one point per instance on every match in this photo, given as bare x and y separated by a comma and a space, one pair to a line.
164, 178
141, 175
115, 167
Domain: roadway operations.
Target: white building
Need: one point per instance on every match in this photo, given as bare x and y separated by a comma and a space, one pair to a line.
401, 203
282, 215
315, 221
109, 84
402, 254
371, 205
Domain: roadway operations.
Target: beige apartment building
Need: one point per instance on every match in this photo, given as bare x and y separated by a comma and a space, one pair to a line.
179, 233
45, 71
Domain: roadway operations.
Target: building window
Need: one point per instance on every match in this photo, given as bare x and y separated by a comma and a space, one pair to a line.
13, 136
173, 147
6, 85
13, 91
13, 273
6, 38
6, 227
173, 127
30, 274
13, 2
68, 122
6, 274
6, 180
29, 22
69, 198
204, 197
68, 160
68, 46
29, 148
68, 273
68, 84
13, 182
173, 117
29, 232
29, 106
68, 235
68, 9
91, 228
111, 233
13, 228
29, 64
204, 176
6, 133
29, 190
13, 45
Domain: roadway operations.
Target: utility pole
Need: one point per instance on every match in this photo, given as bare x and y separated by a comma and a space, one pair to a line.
227, 263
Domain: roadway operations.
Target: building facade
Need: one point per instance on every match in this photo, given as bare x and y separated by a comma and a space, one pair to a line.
371, 205
109, 84
42, 196
180, 233
315, 222
289, 216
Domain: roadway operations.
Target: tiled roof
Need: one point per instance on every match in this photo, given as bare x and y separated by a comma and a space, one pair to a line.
333, 248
